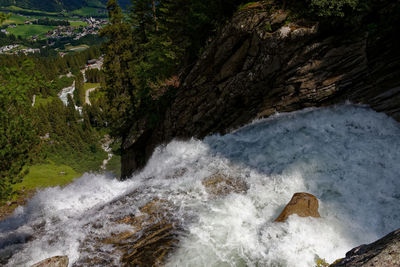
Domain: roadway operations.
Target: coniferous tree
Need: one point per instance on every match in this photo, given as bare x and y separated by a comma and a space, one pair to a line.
79, 92
3, 17
155, 54
144, 52
72, 114
117, 65
87, 127
17, 136
41, 120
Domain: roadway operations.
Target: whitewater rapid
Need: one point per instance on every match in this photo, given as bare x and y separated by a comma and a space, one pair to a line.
348, 156
63, 95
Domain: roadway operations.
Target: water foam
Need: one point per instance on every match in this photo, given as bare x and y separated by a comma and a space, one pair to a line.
347, 156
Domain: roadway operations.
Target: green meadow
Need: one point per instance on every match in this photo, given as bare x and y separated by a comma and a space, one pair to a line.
88, 86
39, 100
47, 175
77, 48
30, 30
75, 23
30, 11
15, 19
97, 94
88, 11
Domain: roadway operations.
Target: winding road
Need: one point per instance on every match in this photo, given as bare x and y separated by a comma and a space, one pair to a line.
87, 94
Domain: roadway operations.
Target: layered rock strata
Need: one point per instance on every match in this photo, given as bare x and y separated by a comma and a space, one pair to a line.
262, 63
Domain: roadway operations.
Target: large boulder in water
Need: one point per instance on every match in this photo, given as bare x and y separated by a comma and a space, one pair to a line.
302, 204
57, 261
383, 253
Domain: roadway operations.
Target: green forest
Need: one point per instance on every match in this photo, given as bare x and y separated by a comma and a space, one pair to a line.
48, 132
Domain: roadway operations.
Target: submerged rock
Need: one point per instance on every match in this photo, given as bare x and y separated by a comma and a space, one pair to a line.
154, 237
383, 253
57, 261
302, 204
219, 185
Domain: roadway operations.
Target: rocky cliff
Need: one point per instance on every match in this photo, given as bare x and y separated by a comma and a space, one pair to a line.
385, 252
264, 61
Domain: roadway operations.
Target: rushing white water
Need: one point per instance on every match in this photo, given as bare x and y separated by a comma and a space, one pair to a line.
106, 143
347, 156
63, 95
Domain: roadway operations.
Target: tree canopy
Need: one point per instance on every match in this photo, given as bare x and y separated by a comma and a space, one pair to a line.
3, 17
47, 130
17, 134
149, 46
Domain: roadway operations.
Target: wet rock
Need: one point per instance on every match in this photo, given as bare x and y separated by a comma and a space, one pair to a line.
251, 71
302, 204
177, 173
219, 185
154, 237
383, 253
57, 261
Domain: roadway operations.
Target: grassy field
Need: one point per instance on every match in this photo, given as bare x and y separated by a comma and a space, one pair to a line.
78, 48
88, 11
15, 19
20, 20
70, 19
47, 175
30, 30
77, 23
96, 95
43, 101
96, 3
18, 9
39, 176
88, 86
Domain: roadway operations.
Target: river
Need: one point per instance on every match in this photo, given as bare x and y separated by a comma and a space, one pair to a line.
348, 156
63, 95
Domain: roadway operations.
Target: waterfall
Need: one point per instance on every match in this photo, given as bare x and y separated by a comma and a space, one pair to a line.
347, 156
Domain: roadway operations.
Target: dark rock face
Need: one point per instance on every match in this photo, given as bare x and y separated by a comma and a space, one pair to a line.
258, 65
383, 253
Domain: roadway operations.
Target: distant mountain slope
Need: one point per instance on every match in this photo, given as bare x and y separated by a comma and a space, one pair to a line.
48, 5
57, 5
124, 3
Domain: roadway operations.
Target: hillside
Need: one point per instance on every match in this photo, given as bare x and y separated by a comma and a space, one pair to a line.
56, 5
